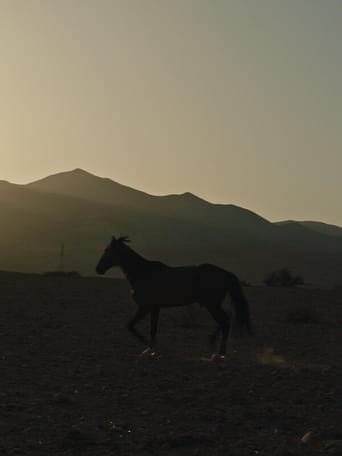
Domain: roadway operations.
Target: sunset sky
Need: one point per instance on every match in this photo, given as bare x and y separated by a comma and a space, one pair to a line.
238, 101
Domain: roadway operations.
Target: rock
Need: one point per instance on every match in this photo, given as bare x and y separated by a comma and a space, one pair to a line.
307, 438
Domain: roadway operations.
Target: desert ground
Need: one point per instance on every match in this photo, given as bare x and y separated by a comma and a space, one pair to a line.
72, 381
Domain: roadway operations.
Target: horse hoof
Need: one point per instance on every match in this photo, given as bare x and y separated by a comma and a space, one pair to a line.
217, 357
148, 353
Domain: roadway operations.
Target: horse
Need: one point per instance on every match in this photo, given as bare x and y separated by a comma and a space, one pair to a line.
156, 285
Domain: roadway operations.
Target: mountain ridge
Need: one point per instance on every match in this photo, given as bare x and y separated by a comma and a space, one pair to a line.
82, 184
40, 184
321, 227
82, 211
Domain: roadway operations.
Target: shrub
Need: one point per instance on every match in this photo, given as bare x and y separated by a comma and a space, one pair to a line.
282, 278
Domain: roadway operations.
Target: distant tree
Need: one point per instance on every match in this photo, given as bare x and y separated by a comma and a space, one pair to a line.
283, 278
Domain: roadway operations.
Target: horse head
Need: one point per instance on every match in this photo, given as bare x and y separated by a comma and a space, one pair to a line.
112, 256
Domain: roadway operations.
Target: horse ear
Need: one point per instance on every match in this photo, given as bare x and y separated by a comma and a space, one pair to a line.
113, 239
124, 239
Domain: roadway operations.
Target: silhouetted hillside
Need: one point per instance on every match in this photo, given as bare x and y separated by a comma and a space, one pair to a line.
82, 211
319, 227
81, 184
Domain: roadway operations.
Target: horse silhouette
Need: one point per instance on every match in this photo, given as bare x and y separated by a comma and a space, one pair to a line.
156, 285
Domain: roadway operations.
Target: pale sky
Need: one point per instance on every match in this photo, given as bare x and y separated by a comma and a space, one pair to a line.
238, 101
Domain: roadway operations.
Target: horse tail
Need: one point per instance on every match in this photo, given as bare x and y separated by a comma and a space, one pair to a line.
241, 320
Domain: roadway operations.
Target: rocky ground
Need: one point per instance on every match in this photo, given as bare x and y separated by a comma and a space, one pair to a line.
72, 381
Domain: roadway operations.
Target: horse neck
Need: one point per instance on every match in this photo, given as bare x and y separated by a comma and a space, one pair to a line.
133, 265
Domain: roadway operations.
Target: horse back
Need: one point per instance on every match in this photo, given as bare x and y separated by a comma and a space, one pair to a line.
177, 286
167, 286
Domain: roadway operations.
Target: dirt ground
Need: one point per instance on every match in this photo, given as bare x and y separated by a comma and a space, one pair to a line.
72, 381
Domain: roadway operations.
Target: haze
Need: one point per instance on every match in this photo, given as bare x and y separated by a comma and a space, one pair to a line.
237, 101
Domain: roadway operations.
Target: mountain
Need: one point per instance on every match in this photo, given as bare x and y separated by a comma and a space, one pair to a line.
83, 185
82, 211
319, 227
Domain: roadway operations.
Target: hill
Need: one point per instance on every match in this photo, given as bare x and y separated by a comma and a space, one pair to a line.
319, 227
82, 211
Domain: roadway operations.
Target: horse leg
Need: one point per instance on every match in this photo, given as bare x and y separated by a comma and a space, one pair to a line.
213, 336
140, 314
222, 319
154, 326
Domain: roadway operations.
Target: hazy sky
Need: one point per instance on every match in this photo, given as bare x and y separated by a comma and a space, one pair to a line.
238, 101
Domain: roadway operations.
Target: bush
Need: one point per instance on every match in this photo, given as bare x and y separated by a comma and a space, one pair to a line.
282, 278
